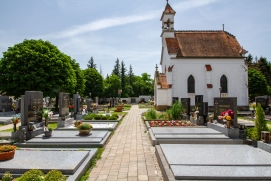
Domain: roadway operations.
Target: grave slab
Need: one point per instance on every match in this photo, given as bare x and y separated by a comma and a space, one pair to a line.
68, 139
182, 130
110, 126
46, 160
214, 162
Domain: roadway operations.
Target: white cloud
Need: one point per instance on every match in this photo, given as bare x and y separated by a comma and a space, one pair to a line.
183, 6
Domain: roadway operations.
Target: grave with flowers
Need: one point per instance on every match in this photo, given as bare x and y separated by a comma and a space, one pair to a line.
225, 116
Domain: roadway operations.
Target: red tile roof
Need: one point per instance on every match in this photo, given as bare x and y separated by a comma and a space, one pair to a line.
169, 10
204, 44
163, 81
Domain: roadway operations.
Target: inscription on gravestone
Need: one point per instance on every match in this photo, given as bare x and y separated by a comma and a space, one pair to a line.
5, 103
33, 106
186, 104
199, 103
224, 104
64, 100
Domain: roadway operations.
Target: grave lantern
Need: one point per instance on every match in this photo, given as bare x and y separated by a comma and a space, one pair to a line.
265, 136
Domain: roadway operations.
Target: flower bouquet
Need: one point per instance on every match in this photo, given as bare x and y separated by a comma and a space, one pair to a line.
77, 123
226, 116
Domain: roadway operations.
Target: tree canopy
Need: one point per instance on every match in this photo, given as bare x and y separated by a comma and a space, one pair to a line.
36, 65
94, 83
257, 84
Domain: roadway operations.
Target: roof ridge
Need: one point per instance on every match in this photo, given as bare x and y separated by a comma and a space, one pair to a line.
205, 31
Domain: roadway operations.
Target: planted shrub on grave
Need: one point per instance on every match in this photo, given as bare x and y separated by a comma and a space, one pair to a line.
260, 124
89, 116
151, 114
33, 175
7, 177
113, 117
84, 126
176, 110
97, 116
54, 175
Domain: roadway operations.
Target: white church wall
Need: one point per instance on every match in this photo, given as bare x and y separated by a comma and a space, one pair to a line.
233, 69
162, 97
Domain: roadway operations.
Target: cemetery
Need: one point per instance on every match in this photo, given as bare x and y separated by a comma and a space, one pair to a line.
200, 117
182, 129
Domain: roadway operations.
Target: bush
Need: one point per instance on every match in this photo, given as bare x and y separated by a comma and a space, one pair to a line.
176, 110
33, 175
113, 117
260, 123
55, 175
89, 116
7, 177
97, 116
151, 114
84, 126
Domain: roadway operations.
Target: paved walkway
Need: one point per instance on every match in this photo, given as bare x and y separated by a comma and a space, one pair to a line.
128, 154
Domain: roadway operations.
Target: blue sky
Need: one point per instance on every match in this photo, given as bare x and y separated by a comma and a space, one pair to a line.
129, 29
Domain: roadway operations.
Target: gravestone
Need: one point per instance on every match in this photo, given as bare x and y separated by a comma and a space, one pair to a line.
89, 103
64, 99
224, 104
33, 106
64, 103
199, 104
263, 100
175, 99
205, 111
186, 104
97, 100
5, 103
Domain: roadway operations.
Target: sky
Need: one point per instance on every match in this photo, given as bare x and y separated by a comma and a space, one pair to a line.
129, 29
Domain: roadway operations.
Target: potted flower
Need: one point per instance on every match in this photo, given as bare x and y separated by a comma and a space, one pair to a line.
77, 123
15, 121
48, 131
7, 152
84, 129
227, 116
45, 115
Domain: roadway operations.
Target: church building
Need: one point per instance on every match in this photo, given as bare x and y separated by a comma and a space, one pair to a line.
199, 62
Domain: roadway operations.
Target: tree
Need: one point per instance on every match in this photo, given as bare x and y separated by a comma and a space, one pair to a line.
116, 69
112, 85
91, 63
130, 75
36, 65
101, 70
80, 79
260, 123
257, 84
94, 83
249, 59
264, 67
123, 78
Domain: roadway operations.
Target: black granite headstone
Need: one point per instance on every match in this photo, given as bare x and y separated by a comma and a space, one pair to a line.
5, 103
175, 99
199, 104
263, 100
224, 104
186, 104
33, 106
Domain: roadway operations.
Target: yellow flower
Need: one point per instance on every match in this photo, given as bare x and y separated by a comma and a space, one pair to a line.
228, 118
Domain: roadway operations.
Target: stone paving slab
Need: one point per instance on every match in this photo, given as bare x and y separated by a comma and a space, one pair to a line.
216, 154
172, 130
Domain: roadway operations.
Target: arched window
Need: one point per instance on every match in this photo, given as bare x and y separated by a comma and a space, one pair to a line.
224, 84
191, 84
